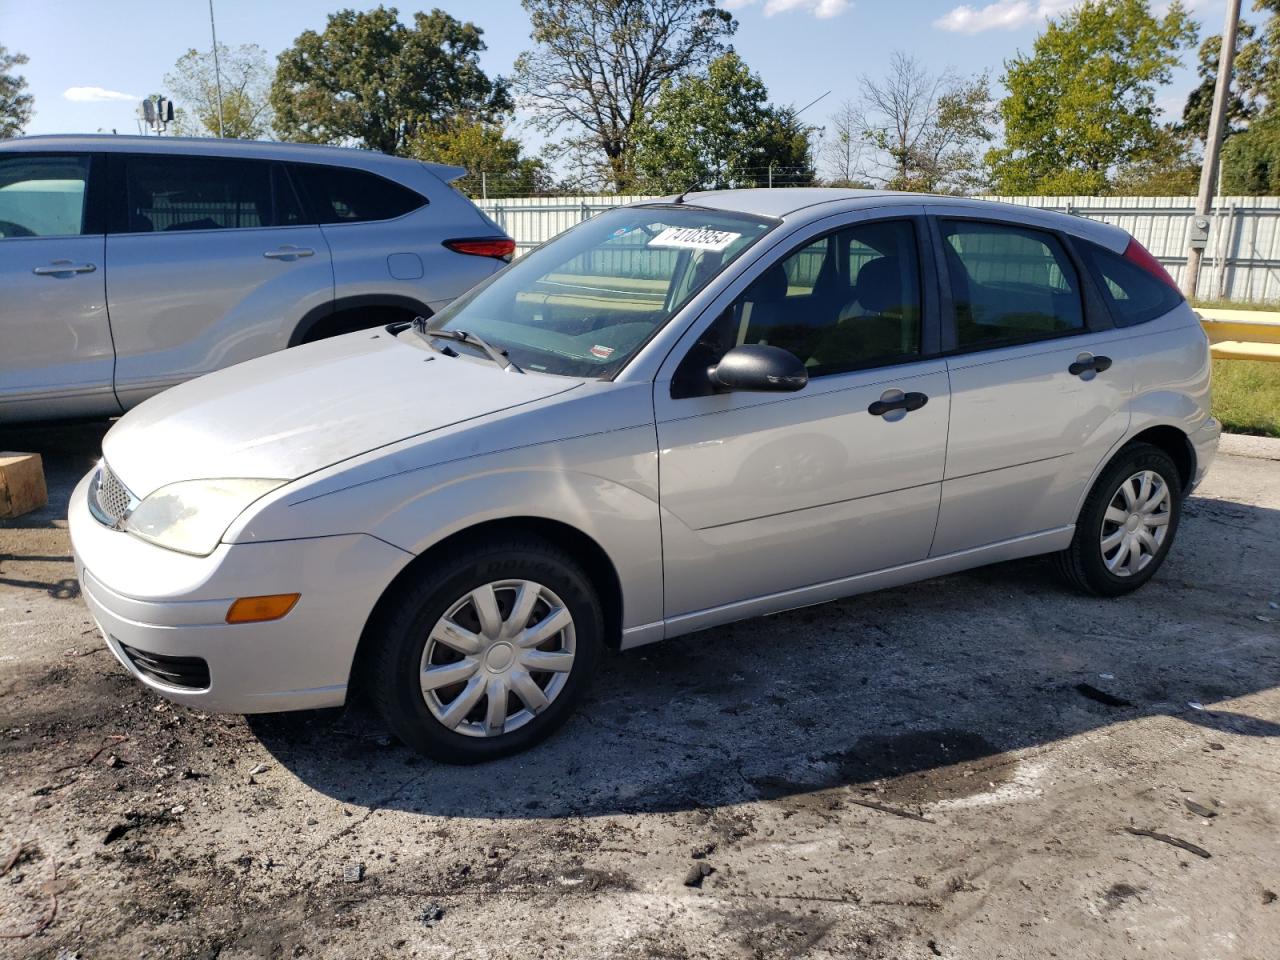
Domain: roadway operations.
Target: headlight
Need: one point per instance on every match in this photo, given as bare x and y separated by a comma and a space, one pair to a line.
191, 516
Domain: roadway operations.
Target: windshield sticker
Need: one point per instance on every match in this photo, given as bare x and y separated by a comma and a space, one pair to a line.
694, 238
602, 353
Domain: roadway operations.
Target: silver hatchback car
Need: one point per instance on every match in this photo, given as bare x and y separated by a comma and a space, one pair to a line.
675, 415
130, 264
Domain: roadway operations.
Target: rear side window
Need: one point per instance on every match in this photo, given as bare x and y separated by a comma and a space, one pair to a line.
1133, 294
343, 195
42, 196
175, 193
1009, 284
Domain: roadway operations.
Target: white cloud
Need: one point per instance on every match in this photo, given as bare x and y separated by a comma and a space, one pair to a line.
96, 95
1000, 15
822, 9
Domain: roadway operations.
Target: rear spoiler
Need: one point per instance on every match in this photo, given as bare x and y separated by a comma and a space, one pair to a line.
445, 171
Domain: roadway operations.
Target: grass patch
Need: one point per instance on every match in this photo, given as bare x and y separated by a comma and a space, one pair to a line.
1234, 305
1246, 396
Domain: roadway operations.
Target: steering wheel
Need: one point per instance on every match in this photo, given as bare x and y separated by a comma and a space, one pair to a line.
10, 229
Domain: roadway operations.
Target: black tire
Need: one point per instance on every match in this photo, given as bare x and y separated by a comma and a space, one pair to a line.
1082, 564
392, 678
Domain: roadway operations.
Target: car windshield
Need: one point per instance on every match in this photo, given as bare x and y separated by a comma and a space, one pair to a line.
585, 302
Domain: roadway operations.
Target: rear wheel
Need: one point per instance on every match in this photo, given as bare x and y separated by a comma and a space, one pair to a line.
487, 656
1127, 524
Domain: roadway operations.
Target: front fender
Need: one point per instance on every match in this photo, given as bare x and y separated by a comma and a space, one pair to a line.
604, 486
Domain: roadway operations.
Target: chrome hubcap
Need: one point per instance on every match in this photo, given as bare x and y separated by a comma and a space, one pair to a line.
497, 658
1136, 523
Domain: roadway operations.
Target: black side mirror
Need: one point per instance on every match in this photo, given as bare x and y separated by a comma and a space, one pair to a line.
759, 367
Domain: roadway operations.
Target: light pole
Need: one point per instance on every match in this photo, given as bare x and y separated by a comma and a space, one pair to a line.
217, 73
1199, 236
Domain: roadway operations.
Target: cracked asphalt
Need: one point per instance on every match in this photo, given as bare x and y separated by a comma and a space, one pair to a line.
949, 769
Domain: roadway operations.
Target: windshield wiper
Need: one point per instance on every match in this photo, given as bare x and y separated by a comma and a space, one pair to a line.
500, 357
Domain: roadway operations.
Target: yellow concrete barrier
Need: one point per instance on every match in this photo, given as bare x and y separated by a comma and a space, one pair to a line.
1242, 334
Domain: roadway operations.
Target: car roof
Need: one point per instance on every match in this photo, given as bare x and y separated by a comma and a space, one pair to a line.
215, 147
802, 204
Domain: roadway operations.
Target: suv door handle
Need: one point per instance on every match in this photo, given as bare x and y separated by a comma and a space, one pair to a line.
288, 252
61, 268
892, 400
1085, 363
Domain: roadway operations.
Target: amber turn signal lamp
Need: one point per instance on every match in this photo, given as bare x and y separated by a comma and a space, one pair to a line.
261, 609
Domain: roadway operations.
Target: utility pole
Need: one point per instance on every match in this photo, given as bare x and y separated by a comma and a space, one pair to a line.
1212, 150
217, 73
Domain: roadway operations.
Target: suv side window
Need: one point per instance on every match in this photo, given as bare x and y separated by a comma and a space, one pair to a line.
1132, 293
166, 192
1009, 284
844, 302
343, 195
42, 195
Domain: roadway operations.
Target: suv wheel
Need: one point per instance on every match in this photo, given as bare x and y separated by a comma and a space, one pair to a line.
1127, 524
487, 656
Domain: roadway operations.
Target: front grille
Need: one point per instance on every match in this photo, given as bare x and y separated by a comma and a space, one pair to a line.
113, 500
191, 673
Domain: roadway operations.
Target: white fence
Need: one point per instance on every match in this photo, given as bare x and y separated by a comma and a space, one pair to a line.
1242, 261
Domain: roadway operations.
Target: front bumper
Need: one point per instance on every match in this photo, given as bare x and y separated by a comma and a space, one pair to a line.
172, 608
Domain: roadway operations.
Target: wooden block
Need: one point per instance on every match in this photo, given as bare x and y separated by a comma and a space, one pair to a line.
22, 486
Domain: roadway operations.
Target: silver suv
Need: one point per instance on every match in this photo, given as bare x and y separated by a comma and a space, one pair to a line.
130, 264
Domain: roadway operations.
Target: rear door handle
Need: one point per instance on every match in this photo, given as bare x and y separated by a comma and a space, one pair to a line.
892, 400
60, 268
1085, 364
288, 252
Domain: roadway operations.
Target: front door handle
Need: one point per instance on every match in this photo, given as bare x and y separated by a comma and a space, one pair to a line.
893, 400
289, 252
1085, 364
60, 268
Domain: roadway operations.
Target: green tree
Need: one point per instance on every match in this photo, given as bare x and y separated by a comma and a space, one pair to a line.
15, 102
1082, 103
1246, 85
246, 75
369, 79
493, 160
717, 129
597, 67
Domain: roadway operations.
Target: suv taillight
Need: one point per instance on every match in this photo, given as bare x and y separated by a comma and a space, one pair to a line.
500, 247
1140, 256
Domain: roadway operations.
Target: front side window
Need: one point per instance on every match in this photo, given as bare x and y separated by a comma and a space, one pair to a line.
584, 303
167, 193
1009, 284
343, 195
847, 301
43, 196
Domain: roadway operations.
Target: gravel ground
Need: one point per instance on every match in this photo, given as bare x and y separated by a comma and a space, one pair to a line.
912, 774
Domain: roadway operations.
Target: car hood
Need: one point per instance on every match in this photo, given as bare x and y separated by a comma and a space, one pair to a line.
288, 414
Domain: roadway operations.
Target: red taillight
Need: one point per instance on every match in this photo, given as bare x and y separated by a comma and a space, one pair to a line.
500, 247
1140, 256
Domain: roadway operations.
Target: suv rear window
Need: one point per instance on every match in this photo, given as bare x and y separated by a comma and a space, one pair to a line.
342, 195
1132, 293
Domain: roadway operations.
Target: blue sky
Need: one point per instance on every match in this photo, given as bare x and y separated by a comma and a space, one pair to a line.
118, 51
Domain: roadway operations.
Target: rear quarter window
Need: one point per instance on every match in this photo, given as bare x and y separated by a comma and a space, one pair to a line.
343, 195
1132, 294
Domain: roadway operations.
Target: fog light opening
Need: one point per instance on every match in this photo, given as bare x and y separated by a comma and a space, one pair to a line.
261, 609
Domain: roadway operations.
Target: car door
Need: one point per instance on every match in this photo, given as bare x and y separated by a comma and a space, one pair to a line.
212, 262
764, 493
1033, 411
55, 339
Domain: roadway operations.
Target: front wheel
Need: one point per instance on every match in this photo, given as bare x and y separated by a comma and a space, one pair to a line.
487, 655
1127, 524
